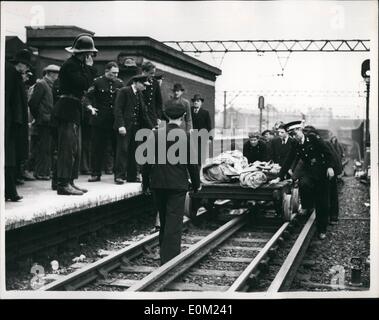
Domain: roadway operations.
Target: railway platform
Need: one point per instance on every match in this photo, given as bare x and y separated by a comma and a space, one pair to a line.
41, 204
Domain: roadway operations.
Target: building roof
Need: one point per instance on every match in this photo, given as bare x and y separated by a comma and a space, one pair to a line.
54, 38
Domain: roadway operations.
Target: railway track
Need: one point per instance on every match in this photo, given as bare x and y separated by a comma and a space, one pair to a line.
231, 258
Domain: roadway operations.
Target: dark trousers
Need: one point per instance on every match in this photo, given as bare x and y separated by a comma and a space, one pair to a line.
10, 182
334, 205
54, 155
33, 151
68, 152
43, 151
314, 192
125, 164
170, 204
110, 153
101, 138
85, 160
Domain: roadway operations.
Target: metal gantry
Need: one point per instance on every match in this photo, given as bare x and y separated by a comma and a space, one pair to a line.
353, 45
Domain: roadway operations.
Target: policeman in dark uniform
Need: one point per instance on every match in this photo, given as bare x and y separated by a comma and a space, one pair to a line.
75, 77
169, 180
337, 167
101, 98
152, 94
318, 170
130, 115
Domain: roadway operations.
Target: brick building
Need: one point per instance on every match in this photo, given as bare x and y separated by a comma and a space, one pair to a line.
196, 76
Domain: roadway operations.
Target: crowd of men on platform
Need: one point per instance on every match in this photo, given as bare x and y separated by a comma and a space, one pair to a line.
81, 122
72, 98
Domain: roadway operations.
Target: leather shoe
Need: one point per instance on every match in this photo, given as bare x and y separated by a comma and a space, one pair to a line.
119, 181
44, 178
27, 176
68, 191
14, 198
83, 190
108, 172
94, 179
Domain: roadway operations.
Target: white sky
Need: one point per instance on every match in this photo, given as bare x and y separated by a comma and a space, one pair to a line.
219, 20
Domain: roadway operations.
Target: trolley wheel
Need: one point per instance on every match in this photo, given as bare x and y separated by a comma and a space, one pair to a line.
286, 207
190, 208
295, 200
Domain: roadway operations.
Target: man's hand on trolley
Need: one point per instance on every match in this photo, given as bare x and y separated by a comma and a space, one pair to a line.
274, 181
122, 131
330, 173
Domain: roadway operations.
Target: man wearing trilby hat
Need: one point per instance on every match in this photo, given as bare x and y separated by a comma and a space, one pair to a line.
75, 77
201, 119
318, 170
178, 91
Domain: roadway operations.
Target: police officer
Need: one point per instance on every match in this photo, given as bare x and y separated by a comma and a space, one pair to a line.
152, 94
337, 167
318, 170
75, 77
169, 180
130, 116
101, 98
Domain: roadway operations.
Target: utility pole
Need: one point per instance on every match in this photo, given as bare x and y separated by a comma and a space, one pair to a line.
224, 109
261, 103
367, 136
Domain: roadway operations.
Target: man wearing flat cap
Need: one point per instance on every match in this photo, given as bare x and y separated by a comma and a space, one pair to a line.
130, 115
169, 180
178, 91
16, 120
255, 149
41, 105
318, 170
75, 77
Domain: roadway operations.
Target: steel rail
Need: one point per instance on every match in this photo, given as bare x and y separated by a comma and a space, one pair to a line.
287, 272
165, 274
101, 267
240, 283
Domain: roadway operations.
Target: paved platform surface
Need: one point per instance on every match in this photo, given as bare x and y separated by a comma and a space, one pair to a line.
40, 203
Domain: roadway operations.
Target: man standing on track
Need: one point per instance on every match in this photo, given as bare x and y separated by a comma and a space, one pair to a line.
169, 180
318, 170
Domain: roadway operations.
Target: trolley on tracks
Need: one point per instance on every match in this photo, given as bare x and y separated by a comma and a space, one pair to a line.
283, 196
